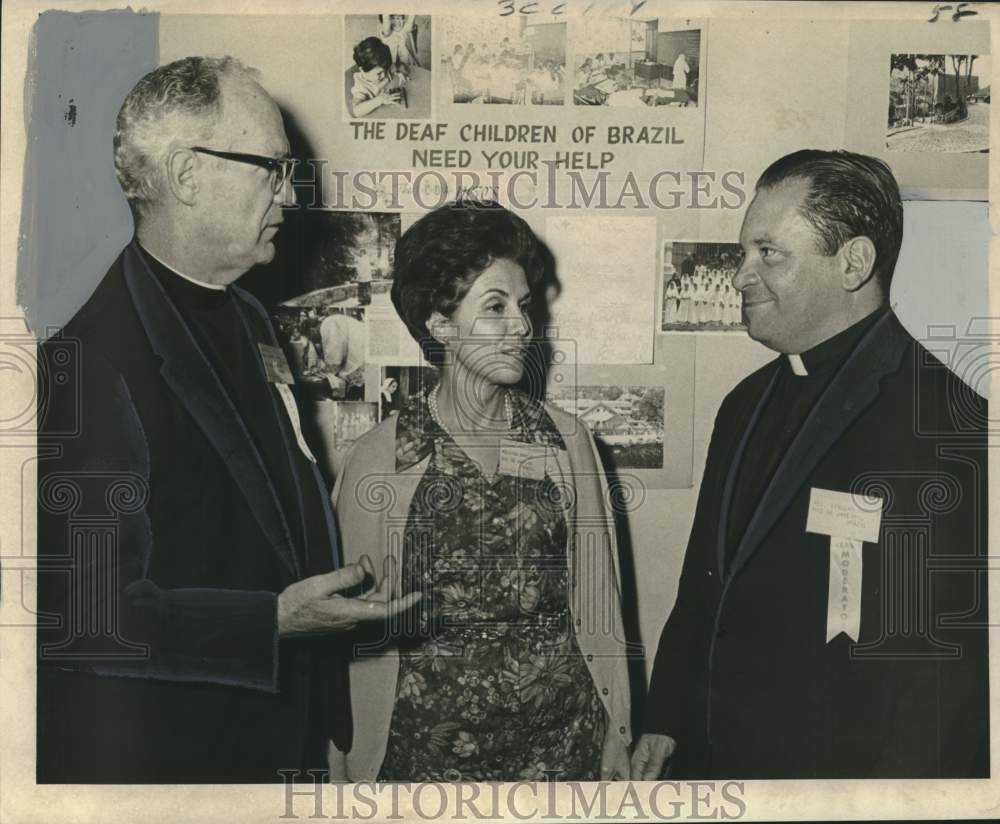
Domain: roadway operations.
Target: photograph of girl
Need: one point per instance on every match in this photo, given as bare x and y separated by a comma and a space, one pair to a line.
388, 72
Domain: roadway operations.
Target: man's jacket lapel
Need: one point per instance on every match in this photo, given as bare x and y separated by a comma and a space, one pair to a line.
188, 373
852, 390
726, 503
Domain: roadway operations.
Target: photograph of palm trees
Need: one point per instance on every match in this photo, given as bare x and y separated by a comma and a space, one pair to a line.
937, 103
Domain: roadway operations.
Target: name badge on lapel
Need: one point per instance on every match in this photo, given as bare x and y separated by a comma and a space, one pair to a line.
527, 460
280, 374
849, 520
276, 367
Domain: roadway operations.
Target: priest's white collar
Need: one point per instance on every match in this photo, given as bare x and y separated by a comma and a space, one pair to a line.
218, 287
798, 367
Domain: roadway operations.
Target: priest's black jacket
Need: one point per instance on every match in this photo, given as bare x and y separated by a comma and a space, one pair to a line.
166, 527
744, 678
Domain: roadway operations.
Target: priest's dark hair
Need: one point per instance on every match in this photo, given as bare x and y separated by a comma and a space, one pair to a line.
439, 257
850, 195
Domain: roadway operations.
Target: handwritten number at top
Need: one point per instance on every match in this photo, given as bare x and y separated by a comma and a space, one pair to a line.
627, 8
509, 7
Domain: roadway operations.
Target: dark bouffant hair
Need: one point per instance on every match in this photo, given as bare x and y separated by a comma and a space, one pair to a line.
372, 52
440, 256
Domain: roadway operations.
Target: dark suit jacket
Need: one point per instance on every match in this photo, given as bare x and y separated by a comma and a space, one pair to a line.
744, 679
163, 544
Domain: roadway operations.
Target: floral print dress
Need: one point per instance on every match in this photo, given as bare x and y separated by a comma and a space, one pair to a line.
492, 686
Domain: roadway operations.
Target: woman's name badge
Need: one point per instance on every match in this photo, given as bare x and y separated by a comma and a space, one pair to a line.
849, 520
526, 460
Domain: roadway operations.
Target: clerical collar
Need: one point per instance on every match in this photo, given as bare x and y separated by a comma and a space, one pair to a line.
219, 287
185, 292
832, 352
798, 367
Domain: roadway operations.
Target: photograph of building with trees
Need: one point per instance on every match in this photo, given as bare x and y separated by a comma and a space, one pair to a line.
936, 103
628, 420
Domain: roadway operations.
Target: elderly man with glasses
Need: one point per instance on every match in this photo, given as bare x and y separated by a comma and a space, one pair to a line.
195, 642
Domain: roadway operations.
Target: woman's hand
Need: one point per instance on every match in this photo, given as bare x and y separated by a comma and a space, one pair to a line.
614, 757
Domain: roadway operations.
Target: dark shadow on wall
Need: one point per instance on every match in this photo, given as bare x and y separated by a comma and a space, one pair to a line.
298, 240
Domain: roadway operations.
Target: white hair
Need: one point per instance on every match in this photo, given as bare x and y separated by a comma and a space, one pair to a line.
177, 104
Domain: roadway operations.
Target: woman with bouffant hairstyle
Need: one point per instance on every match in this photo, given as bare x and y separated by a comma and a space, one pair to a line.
492, 505
441, 255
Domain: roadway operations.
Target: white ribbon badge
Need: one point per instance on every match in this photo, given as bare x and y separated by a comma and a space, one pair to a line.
849, 520
293, 413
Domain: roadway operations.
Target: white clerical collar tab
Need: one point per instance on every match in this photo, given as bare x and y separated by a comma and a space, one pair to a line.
218, 287
798, 367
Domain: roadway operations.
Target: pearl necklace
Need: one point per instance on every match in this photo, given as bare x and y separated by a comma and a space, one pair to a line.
432, 406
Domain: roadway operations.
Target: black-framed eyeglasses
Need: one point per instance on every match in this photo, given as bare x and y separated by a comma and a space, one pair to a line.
281, 168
